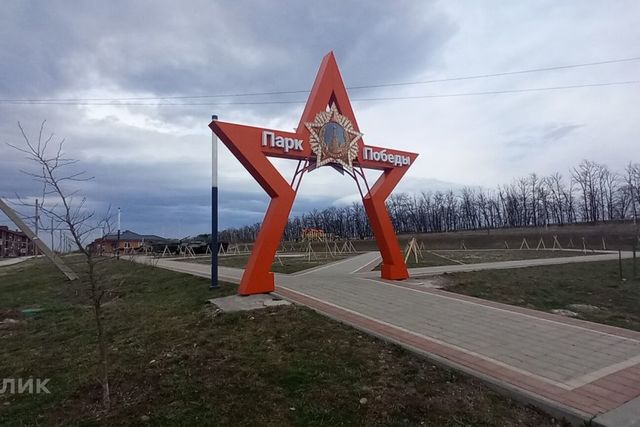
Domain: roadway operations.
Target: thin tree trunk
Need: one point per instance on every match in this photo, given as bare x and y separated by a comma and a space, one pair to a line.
102, 345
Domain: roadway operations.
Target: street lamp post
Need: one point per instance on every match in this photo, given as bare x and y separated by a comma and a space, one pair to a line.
118, 238
214, 209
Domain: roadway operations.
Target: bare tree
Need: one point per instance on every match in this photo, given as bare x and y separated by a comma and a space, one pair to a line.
632, 179
591, 193
586, 176
633, 183
69, 211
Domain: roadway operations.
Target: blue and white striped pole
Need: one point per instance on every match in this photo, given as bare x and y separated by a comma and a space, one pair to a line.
214, 209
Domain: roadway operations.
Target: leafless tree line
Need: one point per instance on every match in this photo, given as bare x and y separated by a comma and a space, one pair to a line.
591, 193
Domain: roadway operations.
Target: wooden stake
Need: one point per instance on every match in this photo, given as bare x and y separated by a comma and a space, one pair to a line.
310, 252
412, 247
279, 259
408, 249
190, 252
524, 243
328, 248
55, 259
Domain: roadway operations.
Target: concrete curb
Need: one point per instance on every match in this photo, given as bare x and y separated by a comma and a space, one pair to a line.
555, 409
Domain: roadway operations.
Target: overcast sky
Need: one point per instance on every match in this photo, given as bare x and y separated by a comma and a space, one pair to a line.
154, 161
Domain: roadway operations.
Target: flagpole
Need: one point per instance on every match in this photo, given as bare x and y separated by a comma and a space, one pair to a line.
214, 209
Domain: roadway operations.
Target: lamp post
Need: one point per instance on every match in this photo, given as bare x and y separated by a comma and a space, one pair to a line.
118, 240
214, 209
35, 247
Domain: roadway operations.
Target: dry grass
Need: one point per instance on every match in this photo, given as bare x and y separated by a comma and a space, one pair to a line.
546, 288
177, 362
285, 264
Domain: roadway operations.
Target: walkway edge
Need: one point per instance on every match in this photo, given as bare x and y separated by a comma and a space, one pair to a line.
555, 409
577, 410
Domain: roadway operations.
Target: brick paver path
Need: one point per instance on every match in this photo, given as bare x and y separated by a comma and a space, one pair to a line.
581, 367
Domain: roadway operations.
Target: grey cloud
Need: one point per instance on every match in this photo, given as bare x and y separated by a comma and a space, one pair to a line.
557, 132
210, 47
160, 48
542, 134
153, 161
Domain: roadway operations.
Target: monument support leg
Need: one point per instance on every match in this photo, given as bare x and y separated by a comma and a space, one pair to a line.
393, 265
257, 277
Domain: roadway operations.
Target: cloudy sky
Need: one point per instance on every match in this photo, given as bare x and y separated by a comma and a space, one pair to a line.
154, 160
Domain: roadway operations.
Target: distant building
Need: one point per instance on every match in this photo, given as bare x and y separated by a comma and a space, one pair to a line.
313, 234
130, 242
14, 243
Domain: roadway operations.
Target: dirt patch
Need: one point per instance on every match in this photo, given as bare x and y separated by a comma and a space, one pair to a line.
11, 314
564, 312
584, 308
10, 318
283, 264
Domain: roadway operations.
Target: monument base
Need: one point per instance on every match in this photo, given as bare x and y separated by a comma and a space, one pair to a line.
258, 285
394, 272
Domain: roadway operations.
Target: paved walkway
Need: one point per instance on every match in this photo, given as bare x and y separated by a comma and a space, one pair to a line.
11, 261
572, 366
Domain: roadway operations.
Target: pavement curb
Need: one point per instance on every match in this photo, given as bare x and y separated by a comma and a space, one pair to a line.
555, 409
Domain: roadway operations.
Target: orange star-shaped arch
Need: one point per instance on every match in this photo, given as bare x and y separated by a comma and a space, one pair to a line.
252, 146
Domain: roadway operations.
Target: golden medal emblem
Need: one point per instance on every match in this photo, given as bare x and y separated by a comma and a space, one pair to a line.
333, 138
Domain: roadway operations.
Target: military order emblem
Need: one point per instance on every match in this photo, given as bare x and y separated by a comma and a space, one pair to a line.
333, 138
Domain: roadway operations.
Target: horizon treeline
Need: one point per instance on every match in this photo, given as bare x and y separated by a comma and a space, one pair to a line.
589, 193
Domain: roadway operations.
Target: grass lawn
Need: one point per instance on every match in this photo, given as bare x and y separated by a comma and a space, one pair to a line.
176, 361
289, 264
453, 257
476, 257
617, 235
560, 286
